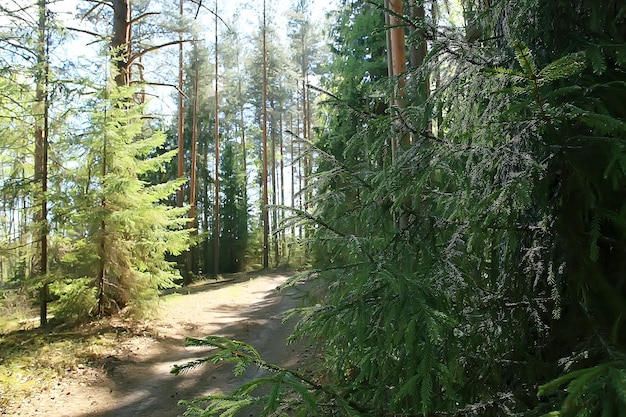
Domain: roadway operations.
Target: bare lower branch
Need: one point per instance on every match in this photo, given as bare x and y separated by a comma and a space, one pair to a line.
162, 85
154, 48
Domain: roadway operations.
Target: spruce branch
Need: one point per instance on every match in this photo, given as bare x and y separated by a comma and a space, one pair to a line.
243, 354
337, 99
526, 60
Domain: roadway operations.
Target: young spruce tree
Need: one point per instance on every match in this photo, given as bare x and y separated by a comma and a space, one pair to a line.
120, 260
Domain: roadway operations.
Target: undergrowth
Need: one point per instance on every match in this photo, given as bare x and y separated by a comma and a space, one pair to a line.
14, 311
32, 361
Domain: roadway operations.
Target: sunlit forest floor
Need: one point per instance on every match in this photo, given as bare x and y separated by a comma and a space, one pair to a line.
121, 368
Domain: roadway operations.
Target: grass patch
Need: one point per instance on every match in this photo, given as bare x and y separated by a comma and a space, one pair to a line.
15, 311
32, 361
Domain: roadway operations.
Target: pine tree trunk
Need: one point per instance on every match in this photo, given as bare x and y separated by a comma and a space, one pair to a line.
207, 212
181, 112
102, 248
194, 154
301, 195
274, 188
180, 193
41, 160
120, 41
244, 151
216, 248
305, 118
439, 115
293, 176
120, 52
396, 56
265, 214
282, 178
417, 52
389, 48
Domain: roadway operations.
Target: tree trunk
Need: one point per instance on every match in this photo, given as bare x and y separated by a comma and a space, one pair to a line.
216, 248
181, 112
273, 179
207, 212
120, 54
103, 230
305, 130
418, 52
194, 155
180, 193
301, 194
120, 41
396, 55
41, 160
293, 176
243, 149
282, 178
388, 39
265, 214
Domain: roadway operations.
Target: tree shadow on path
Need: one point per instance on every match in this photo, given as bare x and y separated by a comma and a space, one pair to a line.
146, 387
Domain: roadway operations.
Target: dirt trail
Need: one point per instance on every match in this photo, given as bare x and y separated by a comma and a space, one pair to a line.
137, 381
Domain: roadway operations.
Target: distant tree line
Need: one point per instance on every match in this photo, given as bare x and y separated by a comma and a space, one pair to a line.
98, 213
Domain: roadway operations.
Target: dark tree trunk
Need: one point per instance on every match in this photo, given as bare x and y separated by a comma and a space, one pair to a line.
273, 179
120, 41
41, 159
191, 258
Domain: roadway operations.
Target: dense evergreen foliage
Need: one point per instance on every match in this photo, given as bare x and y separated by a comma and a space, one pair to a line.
124, 231
234, 208
478, 271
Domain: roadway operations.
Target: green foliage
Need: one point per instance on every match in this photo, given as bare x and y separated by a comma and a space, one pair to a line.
487, 259
76, 299
280, 392
234, 210
596, 391
126, 229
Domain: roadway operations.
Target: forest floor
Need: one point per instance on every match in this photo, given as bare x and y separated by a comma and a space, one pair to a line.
122, 368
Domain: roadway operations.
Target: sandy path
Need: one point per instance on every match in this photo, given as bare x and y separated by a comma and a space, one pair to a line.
139, 383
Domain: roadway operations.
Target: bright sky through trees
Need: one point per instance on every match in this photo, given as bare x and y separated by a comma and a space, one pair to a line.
244, 15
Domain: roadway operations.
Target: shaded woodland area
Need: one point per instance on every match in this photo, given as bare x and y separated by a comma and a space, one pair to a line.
449, 174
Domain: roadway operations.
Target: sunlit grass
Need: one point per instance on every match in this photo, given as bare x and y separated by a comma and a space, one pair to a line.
33, 361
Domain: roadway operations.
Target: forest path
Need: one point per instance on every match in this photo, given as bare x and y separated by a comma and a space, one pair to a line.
136, 381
